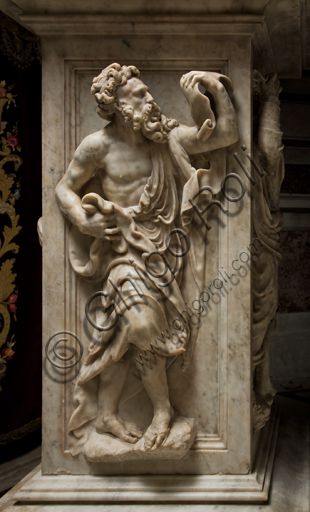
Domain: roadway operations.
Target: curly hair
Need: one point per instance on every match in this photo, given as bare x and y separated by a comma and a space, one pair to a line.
105, 85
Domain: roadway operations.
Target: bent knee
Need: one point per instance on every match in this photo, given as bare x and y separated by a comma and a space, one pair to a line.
145, 325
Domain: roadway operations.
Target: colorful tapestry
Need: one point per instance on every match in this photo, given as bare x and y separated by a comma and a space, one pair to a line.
10, 185
20, 252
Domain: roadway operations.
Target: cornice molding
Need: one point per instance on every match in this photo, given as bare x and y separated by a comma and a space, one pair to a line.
246, 25
141, 24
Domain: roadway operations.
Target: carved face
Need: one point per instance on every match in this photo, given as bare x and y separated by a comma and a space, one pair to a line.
138, 107
136, 93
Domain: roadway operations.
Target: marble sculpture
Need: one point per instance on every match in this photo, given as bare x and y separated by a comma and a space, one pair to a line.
133, 232
268, 222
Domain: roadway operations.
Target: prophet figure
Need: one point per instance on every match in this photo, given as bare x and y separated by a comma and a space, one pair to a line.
126, 193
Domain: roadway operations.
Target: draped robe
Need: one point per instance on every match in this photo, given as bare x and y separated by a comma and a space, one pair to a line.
144, 228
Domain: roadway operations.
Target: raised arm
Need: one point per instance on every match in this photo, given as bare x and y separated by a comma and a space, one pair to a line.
213, 130
79, 172
269, 138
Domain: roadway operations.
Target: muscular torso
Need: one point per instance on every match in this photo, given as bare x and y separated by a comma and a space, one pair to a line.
123, 170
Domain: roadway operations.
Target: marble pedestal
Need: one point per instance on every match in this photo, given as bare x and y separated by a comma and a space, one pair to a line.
289, 488
157, 488
226, 461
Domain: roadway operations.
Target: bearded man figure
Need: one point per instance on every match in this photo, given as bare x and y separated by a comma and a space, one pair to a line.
120, 195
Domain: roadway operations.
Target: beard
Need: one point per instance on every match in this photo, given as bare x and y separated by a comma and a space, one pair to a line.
153, 124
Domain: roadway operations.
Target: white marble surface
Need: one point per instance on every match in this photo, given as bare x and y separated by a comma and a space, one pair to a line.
287, 21
218, 384
289, 488
12, 471
110, 449
134, 173
152, 488
222, 384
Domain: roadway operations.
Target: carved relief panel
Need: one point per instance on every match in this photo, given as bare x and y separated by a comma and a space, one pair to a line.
168, 374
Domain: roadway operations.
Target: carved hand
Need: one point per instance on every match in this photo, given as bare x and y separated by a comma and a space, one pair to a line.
267, 87
99, 220
199, 103
271, 88
98, 225
205, 78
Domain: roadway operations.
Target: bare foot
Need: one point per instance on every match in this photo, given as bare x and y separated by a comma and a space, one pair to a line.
124, 430
159, 429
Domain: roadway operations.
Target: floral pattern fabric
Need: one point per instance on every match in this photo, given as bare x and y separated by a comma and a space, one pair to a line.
20, 251
10, 186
